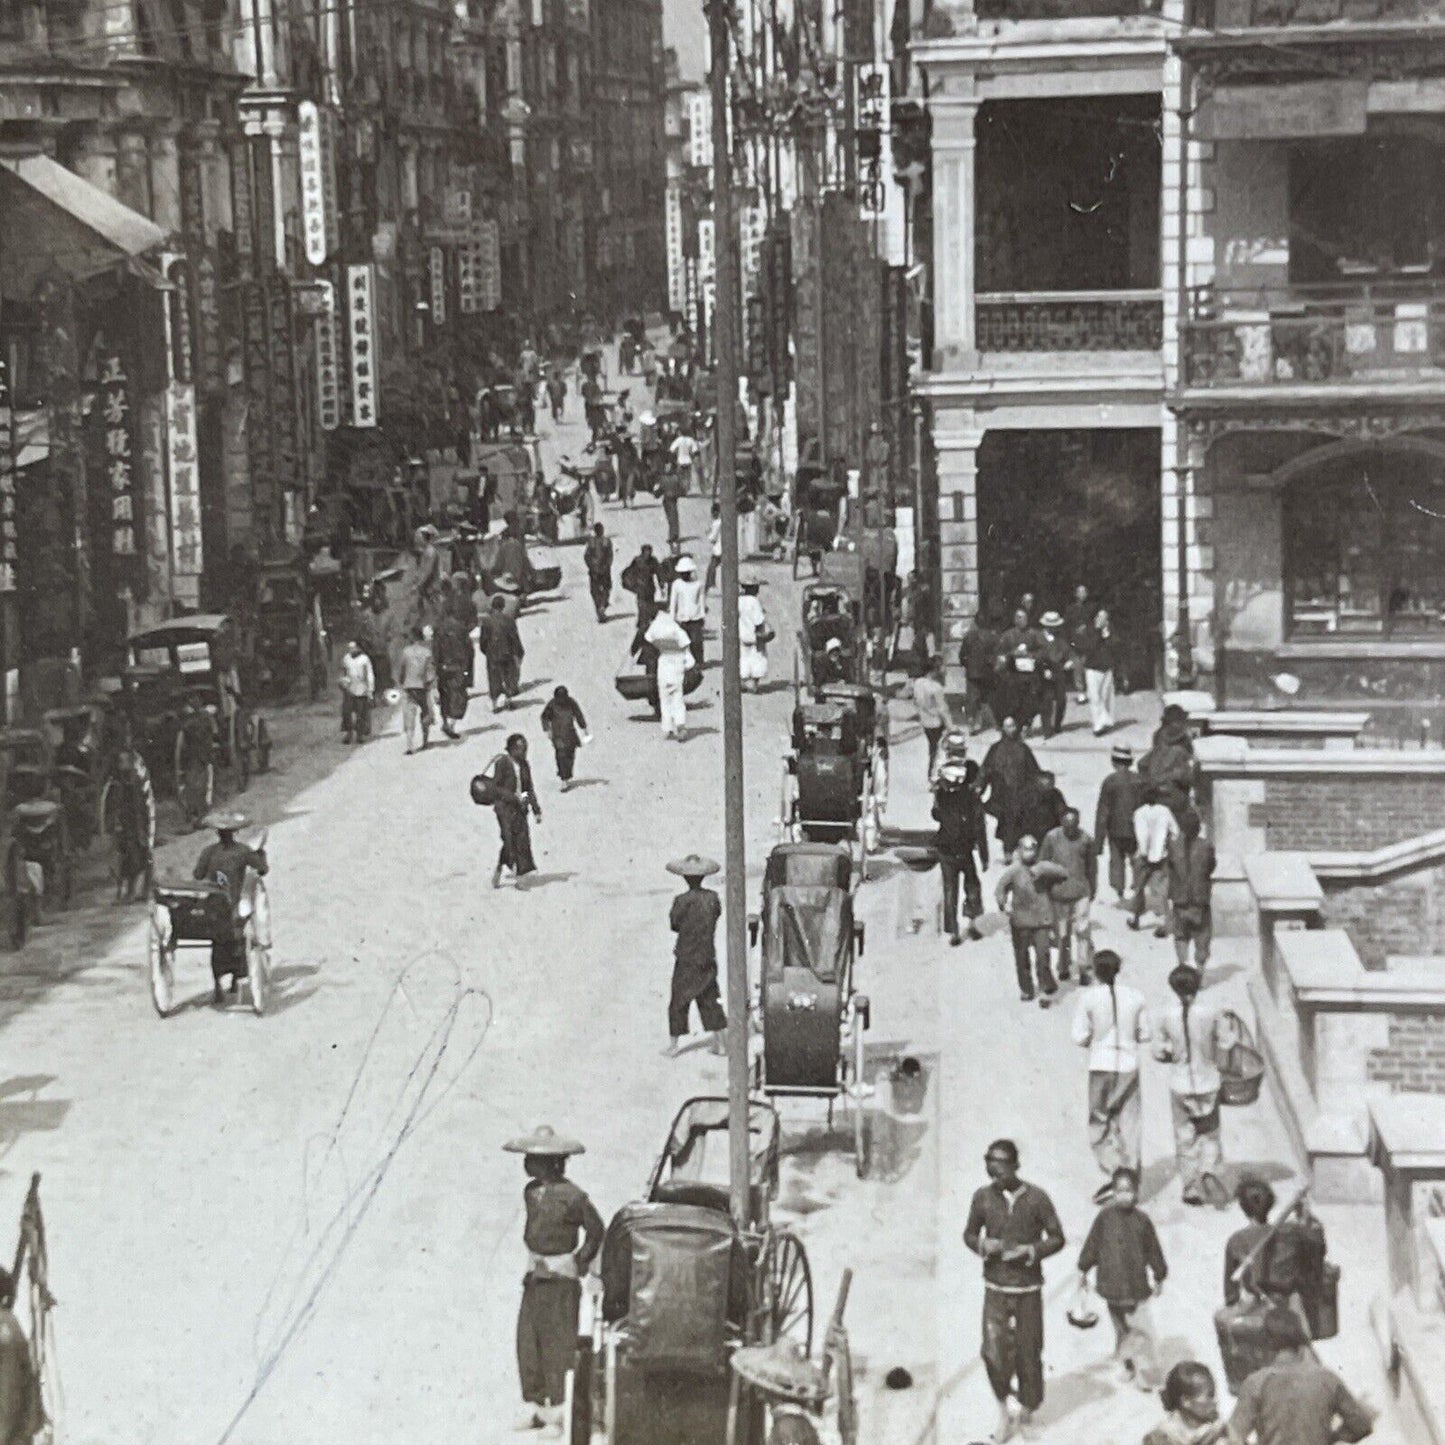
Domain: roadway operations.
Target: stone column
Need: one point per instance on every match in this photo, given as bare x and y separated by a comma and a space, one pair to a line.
165, 171
132, 170
955, 335
95, 160
957, 437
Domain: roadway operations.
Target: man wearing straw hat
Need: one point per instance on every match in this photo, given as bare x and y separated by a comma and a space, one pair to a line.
225, 862
557, 1213
694, 918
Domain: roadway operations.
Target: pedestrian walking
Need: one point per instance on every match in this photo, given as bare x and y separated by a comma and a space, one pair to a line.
1014, 1227
132, 818
516, 797
686, 603
670, 658
417, 677
1192, 1038
1099, 655
714, 548
1295, 1400
683, 452
1009, 767
1169, 765
556, 394
195, 760
1023, 894
358, 685
501, 644
694, 918
1191, 886
962, 837
1120, 796
1073, 898
671, 491
1111, 1021
1077, 617
1042, 806
978, 655
1192, 1402
452, 653
563, 1234
1122, 1250
754, 634
1280, 1262
1154, 826
1055, 658
563, 722
641, 577
597, 558
930, 702
1016, 688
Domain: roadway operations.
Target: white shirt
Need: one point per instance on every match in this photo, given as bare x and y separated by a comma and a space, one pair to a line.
683, 449
357, 676
1154, 826
1111, 1028
714, 536
750, 618
685, 601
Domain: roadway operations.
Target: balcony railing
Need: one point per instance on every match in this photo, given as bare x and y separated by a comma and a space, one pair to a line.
1309, 337
1069, 321
1278, 14
1061, 9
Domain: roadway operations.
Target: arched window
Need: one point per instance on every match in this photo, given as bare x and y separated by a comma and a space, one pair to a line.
1364, 547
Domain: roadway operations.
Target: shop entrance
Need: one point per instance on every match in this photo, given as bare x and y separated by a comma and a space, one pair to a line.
1056, 508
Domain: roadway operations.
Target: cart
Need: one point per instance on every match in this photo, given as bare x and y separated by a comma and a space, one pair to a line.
188, 914
37, 821
831, 612
291, 643
810, 1019
683, 1287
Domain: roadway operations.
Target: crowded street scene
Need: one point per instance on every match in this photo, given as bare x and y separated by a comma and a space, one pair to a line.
724, 742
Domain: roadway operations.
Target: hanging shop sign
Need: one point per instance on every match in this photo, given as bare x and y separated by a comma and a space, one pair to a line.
361, 336
699, 126
706, 249
210, 358
7, 484
489, 264
263, 200
182, 457
315, 230
258, 384
180, 318
469, 298
676, 273
437, 282
243, 207
328, 371
117, 431
285, 442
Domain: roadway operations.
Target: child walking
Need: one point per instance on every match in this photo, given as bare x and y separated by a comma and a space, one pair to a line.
563, 722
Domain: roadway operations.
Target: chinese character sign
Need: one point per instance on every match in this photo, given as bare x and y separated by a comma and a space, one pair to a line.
437, 279
117, 433
489, 265
361, 335
328, 379
699, 125
182, 465
676, 272
7, 484
313, 184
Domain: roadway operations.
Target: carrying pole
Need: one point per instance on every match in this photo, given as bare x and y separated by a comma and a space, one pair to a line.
725, 341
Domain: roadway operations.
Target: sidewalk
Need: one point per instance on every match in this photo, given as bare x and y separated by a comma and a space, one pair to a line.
1006, 1068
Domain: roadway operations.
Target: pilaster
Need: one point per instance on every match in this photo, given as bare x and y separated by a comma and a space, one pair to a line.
165, 169
132, 170
956, 438
954, 208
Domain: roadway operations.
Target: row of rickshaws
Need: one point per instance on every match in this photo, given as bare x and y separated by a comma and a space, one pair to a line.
706, 1332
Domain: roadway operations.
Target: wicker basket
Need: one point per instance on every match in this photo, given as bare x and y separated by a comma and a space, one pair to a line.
1241, 1070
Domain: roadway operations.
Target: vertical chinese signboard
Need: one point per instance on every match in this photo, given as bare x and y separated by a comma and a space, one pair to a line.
676, 269
182, 440
118, 449
319, 221
437, 283
258, 399
7, 484
807, 349
488, 239
285, 442
328, 376
361, 336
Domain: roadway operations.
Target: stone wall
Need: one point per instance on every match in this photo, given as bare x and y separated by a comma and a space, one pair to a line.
1349, 812
1413, 1061
1401, 916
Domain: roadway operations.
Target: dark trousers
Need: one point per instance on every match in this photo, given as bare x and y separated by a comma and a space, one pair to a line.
503, 676
954, 866
566, 757
1031, 955
355, 716
1121, 863
1054, 700
686, 991
694, 640
1013, 1345
646, 611
1149, 878
599, 584
547, 1337
978, 701
674, 523
714, 566
933, 735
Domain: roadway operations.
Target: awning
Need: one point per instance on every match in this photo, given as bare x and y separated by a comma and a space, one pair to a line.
57, 220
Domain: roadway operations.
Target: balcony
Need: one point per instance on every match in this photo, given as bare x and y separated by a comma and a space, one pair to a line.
1282, 14
1062, 9
1069, 321
1386, 336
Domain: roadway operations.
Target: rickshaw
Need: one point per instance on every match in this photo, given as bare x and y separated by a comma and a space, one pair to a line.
684, 1286
810, 1019
190, 914
37, 818
290, 641
77, 767
513, 467
817, 507
831, 612
199, 654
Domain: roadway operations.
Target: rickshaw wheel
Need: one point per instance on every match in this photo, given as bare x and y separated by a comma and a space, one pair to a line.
60, 871
263, 746
241, 741
787, 1284
856, 1098
258, 953
160, 957
16, 917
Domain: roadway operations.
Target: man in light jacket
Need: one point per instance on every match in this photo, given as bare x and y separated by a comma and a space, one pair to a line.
1023, 893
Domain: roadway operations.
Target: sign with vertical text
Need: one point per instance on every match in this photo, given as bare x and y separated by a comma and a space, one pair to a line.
313, 183
328, 371
361, 336
437, 283
7, 483
117, 434
182, 466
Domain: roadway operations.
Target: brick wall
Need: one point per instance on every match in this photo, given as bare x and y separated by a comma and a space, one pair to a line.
1403, 915
1351, 812
1414, 1059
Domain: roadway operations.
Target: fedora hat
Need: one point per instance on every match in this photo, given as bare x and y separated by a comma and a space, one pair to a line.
544, 1139
749, 582
1121, 755
694, 866
506, 583
226, 820
1051, 619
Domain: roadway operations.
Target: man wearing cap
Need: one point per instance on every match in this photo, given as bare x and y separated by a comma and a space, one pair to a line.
831, 665
1119, 798
225, 862
688, 606
1055, 657
558, 1213
694, 918
962, 833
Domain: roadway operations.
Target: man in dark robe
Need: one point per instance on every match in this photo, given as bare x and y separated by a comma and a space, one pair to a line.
641, 577
501, 644
1009, 767
597, 558
516, 796
694, 918
1017, 688
452, 653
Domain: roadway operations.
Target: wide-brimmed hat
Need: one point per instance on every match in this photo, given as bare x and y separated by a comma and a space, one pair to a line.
545, 1140
684, 564
506, 583
1051, 619
226, 820
749, 583
694, 866
1121, 754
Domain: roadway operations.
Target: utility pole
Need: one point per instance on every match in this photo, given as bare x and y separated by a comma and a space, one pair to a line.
725, 342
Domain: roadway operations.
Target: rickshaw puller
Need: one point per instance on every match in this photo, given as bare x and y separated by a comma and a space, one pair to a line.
557, 1213
225, 862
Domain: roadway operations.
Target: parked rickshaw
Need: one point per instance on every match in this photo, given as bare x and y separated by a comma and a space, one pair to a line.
37, 819
684, 1286
809, 1018
196, 915
200, 655
290, 643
